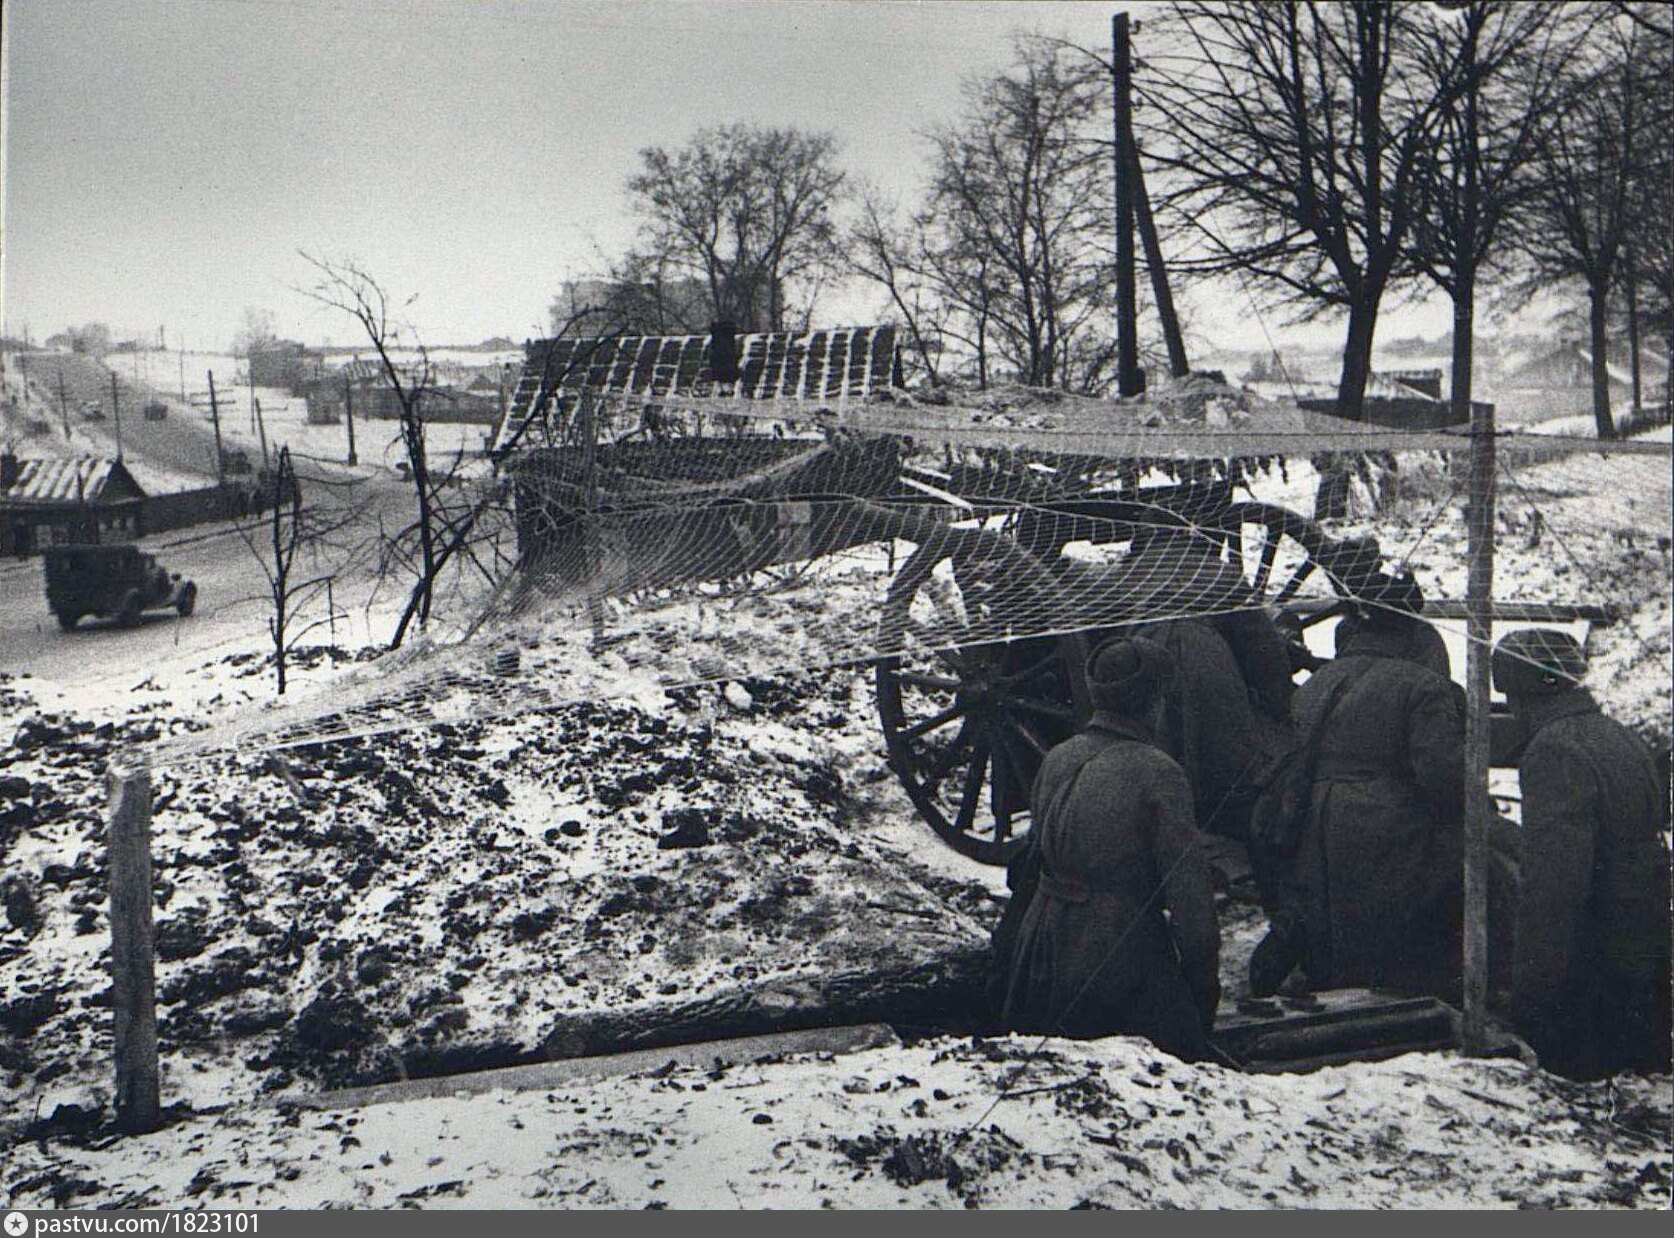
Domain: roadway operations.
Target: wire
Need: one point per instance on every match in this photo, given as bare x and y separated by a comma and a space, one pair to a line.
1638, 638
1435, 516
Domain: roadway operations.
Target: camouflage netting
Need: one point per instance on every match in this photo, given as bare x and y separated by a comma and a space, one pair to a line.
675, 540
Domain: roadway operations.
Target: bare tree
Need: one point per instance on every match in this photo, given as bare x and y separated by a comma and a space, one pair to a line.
1647, 277
1293, 138
1496, 69
344, 285
745, 209
458, 521
90, 339
1583, 212
277, 540
256, 331
1018, 216
1651, 271
1652, 18
884, 252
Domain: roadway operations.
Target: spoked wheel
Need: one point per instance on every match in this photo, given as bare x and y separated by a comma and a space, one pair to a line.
1289, 563
970, 701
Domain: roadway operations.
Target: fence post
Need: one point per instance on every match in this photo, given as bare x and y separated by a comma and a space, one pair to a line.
133, 980
1479, 650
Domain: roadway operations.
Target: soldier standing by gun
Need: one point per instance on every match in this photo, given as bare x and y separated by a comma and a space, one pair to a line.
1590, 972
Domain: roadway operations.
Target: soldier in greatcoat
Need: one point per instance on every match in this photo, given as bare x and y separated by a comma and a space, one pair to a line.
1374, 886
1095, 954
1590, 971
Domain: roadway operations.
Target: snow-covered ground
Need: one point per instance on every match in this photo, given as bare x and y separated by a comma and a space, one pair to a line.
942, 1124
177, 453
500, 885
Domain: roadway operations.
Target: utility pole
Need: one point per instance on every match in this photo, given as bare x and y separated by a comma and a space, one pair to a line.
116, 409
349, 417
261, 427
220, 455
1129, 380
63, 402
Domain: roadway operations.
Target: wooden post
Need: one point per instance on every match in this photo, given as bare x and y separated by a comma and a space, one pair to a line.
1177, 363
133, 983
1129, 380
349, 418
592, 550
1479, 648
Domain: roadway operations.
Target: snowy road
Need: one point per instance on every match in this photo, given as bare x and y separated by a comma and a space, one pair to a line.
231, 615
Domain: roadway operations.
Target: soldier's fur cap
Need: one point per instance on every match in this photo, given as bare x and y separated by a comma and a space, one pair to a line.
1390, 602
1125, 674
1538, 662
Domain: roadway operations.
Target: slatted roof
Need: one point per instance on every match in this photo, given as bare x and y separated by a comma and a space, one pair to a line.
80, 479
818, 366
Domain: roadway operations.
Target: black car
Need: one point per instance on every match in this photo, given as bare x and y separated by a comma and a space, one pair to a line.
119, 581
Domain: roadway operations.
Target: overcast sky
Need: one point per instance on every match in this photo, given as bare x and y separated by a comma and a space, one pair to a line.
166, 159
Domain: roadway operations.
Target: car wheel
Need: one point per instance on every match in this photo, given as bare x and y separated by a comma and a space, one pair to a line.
188, 600
128, 614
67, 619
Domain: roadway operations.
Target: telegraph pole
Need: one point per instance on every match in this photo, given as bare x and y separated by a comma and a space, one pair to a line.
261, 427
1178, 366
63, 402
349, 417
1129, 380
116, 410
220, 456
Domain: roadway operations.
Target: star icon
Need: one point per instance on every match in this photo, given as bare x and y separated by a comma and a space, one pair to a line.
16, 1224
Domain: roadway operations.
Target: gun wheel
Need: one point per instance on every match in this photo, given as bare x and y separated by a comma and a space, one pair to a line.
969, 711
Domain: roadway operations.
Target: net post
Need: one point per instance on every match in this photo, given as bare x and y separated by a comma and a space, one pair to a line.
133, 969
1479, 807
592, 549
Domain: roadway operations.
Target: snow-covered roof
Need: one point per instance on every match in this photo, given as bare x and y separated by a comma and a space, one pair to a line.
772, 365
1569, 363
1384, 386
78, 479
